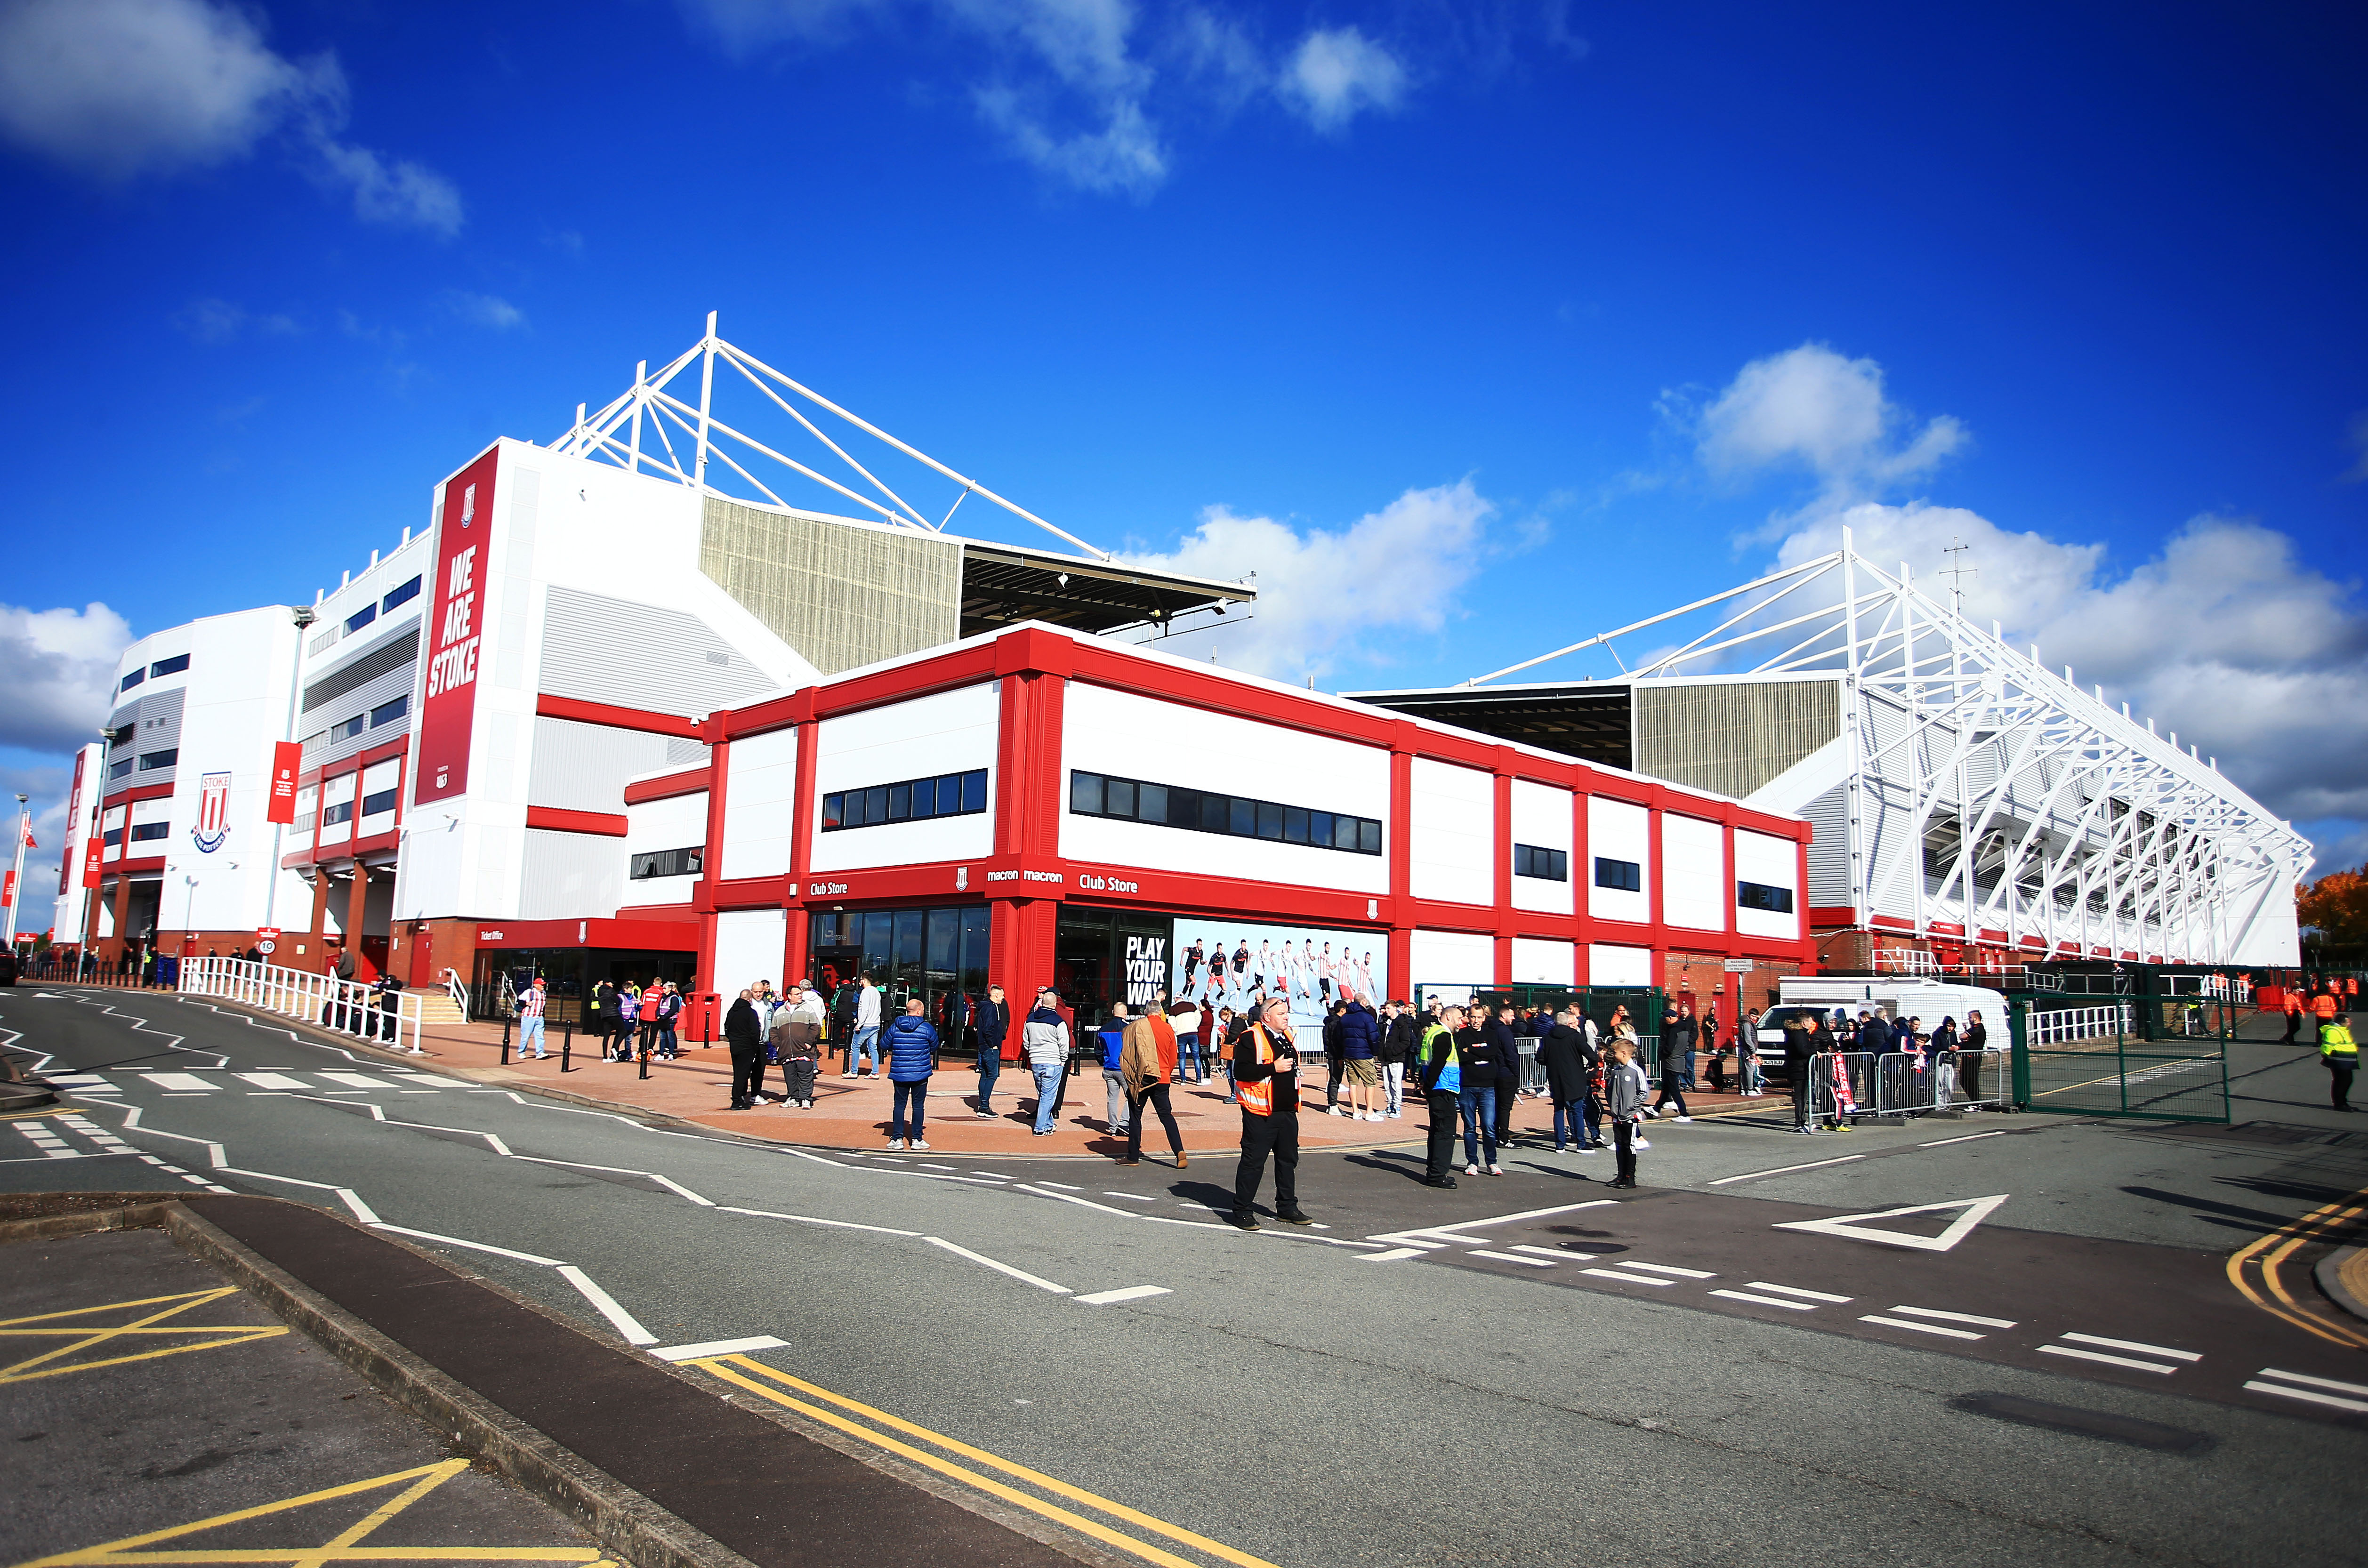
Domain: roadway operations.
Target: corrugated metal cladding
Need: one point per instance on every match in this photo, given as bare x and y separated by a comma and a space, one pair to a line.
840, 596
319, 751
571, 876
598, 649
392, 652
1732, 738
1829, 879
583, 767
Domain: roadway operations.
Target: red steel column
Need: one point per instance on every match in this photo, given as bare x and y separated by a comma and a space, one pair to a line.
1582, 877
1401, 851
797, 924
1500, 855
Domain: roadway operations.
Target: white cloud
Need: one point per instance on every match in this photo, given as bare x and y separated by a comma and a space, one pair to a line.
484, 310
1809, 407
1323, 596
214, 321
1123, 157
48, 787
1337, 73
61, 666
119, 88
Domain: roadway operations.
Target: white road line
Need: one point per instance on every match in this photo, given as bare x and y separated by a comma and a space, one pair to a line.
357, 1080
1395, 1255
1918, 1327
2315, 1383
1451, 1235
474, 1246
2130, 1362
432, 1081
1631, 1278
1510, 1258
1779, 1170
926, 1166
1668, 1268
1557, 1254
1767, 1300
623, 1321
674, 1187
813, 1219
992, 1176
1954, 1317
1805, 1295
718, 1348
1966, 1139
2136, 1345
1020, 1273
185, 1083
1061, 1184
272, 1080
1131, 1293
1065, 1198
1131, 1197
2259, 1387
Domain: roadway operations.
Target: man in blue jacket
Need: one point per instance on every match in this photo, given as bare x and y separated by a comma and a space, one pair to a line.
1113, 1040
1360, 1033
912, 1057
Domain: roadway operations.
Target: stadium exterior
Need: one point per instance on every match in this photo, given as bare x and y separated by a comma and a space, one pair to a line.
1972, 808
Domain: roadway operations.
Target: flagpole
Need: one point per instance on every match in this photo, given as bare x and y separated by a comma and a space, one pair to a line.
17, 879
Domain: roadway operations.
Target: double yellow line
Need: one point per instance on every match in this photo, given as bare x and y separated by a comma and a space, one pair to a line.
779, 1388
2275, 1248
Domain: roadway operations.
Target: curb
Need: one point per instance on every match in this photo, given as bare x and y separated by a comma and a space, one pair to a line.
2343, 1275
619, 1519
126, 1217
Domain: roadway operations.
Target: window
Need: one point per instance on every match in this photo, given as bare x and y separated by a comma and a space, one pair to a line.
388, 712
111, 837
143, 831
1205, 811
382, 802
171, 667
947, 795
666, 863
1622, 876
134, 678
342, 812
1550, 865
402, 596
350, 729
122, 736
360, 618
1760, 896
151, 760
118, 769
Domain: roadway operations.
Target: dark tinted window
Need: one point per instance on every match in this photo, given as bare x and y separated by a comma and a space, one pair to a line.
134, 678
403, 595
1760, 896
1206, 810
360, 618
666, 863
951, 794
830, 810
1626, 876
388, 712
151, 761
171, 667
382, 802
147, 830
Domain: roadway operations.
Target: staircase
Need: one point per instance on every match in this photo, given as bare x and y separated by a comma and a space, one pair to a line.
437, 1007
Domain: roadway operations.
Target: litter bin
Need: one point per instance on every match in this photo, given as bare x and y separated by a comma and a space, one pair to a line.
702, 1018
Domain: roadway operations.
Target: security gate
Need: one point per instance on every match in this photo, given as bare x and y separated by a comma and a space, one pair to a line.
2143, 1054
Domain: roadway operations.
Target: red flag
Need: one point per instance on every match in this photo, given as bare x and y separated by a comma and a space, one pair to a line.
29, 833
93, 851
287, 761
7, 890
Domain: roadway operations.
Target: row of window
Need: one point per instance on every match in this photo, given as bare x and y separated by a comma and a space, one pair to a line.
948, 795
667, 863
142, 831
384, 713
369, 613
171, 667
152, 761
372, 806
1205, 811
1550, 865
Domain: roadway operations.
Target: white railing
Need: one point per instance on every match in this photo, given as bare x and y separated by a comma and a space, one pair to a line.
346, 1007
2078, 1023
455, 989
1905, 960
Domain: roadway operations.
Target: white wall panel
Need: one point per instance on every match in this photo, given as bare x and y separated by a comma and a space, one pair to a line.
569, 876
1537, 963
748, 944
678, 822
1454, 834
1617, 830
1608, 964
760, 805
1131, 736
1694, 873
946, 732
1541, 818
1453, 958
1763, 858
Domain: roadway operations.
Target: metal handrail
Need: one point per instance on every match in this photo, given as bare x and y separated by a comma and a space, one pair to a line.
347, 1006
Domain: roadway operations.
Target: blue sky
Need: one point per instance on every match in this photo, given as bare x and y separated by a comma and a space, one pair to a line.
1472, 329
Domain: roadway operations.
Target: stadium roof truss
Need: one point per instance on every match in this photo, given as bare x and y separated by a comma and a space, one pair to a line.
1986, 793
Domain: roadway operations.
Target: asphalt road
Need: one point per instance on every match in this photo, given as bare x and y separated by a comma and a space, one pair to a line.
1383, 1390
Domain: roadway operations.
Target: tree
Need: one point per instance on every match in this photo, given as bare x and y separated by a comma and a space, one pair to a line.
2336, 906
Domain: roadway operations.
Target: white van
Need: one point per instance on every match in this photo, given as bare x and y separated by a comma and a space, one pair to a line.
1899, 996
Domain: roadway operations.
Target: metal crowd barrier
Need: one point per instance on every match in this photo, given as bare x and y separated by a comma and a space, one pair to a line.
1912, 1082
2066, 1023
347, 1006
1841, 1083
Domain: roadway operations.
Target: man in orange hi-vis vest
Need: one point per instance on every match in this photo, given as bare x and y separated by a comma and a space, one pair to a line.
1266, 1081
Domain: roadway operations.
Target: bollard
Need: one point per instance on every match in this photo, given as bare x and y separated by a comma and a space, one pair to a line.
506, 1042
645, 1054
566, 1044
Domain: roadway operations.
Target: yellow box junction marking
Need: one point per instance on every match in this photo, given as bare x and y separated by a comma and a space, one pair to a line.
86, 1336
745, 1373
344, 1546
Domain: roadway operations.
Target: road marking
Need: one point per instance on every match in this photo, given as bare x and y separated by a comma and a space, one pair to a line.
2279, 1246
185, 1083
475, 1246
2138, 1345
1131, 1197
1966, 1139
1976, 1209
1779, 1170
1918, 1327
623, 1321
1668, 1268
90, 1335
1512, 1258
1805, 1295
718, 1348
2359, 1389
272, 1080
737, 1370
1062, 1185
1020, 1273
1130, 1293
813, 1219
2130, 1362
357, 1080
1767, 1300
432, 1081
1631, 1278
1558, 1254
926, 1166
1450, 1236
1395, 1255
1955, 1317
2306, 1394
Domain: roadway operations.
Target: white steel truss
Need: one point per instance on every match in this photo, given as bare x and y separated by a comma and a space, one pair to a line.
636, 431
1983, 795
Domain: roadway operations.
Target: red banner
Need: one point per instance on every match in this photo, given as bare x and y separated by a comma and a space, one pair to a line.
449, 710
94, 850
287, 761
73, 821
7, 890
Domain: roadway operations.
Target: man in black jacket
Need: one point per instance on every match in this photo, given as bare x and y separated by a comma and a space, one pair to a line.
1570, 1063
1400, 1048
994, 1024
1677, 1033
745, 1036
1501, 1036
1800, 1044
